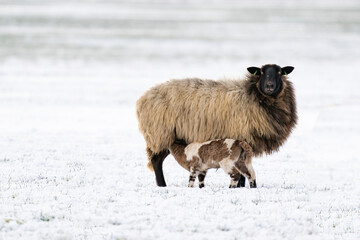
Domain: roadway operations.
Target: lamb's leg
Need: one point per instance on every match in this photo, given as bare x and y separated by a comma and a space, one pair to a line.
252, 179
253, 184
157, 161
248, 171
192, 177
201, 177
232, 171
235, 177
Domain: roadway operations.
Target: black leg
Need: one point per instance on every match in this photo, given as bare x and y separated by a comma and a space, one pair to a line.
241, 182
157, 161
201, 178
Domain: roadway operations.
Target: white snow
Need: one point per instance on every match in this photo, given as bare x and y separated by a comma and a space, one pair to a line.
73, 163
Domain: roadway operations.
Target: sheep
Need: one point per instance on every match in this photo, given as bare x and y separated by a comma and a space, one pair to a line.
259, 109
233, 156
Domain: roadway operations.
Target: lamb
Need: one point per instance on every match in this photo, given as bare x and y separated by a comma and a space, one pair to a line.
260, 109
233, 156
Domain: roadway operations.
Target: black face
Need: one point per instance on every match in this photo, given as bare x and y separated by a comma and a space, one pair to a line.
270, 77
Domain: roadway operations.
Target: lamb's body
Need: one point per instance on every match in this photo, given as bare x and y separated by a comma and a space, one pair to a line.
201, 110
233, 156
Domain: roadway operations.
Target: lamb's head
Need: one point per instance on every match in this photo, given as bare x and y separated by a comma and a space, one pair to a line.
270, 78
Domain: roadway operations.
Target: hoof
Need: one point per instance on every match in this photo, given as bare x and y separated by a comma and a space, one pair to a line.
201, 185
253, 184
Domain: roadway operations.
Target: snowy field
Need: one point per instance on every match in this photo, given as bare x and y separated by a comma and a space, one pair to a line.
73, 163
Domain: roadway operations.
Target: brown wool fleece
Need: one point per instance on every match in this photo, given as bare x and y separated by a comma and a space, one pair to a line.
197, 110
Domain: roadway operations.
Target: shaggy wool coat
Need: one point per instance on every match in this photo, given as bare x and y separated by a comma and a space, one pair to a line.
197, 110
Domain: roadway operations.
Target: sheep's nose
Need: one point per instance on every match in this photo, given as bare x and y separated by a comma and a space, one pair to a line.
269, 85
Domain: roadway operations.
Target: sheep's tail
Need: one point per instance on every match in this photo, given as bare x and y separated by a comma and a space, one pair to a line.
150, 154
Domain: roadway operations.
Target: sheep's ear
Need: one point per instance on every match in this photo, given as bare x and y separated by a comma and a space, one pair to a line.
254, 70
286, 70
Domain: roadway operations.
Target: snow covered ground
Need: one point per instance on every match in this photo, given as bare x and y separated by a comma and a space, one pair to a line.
72, 161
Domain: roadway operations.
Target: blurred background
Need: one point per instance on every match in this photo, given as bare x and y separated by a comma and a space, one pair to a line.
187, 32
